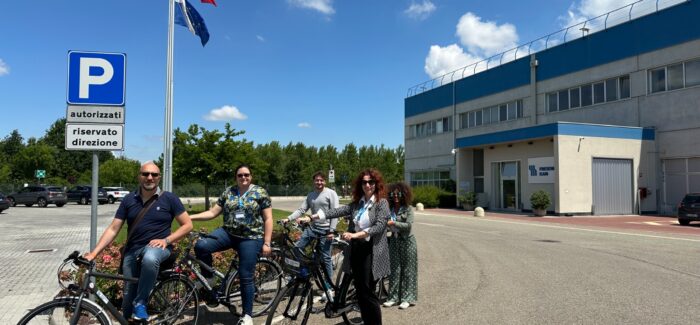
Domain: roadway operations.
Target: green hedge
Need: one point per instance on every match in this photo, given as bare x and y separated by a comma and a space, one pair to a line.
432, 196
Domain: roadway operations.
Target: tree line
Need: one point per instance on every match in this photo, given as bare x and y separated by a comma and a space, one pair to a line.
202, 159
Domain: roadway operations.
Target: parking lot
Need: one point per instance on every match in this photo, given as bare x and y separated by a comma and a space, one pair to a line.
35, 241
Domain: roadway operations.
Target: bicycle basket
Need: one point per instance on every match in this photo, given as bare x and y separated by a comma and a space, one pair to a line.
70, 275
294, 260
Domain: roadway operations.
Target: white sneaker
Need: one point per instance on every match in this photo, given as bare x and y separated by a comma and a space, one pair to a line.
245, 320
389, 303
404, 305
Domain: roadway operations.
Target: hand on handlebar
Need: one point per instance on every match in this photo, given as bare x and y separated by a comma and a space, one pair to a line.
305, 219
89, 256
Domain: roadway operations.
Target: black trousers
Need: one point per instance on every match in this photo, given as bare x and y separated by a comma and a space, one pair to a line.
361, 264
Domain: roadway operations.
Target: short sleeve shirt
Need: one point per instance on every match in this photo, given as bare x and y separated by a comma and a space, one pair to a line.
251, 204
157, 221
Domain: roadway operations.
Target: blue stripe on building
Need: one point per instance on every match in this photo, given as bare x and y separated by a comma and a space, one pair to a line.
560, 128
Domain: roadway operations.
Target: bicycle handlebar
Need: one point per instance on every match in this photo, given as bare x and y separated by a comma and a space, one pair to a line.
76, 258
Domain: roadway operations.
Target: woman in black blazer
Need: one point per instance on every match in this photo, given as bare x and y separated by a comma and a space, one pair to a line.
369, 254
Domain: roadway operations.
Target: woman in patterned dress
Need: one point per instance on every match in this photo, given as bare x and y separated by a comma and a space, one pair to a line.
247, 229
403, 282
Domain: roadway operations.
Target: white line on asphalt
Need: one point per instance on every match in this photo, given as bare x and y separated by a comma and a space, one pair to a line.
430, 224
562, 227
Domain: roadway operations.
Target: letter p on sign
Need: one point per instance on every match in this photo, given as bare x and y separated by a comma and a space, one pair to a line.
96, 78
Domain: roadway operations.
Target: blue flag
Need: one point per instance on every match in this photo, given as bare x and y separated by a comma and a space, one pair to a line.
186, 15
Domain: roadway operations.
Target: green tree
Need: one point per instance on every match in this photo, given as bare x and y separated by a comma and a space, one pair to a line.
207, 156
120, 171
33, 157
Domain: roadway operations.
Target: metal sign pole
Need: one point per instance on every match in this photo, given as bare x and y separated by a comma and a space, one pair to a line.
93, 200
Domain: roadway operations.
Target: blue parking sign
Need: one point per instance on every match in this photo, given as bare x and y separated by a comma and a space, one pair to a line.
96, 78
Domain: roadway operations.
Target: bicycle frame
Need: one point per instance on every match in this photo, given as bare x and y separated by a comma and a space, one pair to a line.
334, 307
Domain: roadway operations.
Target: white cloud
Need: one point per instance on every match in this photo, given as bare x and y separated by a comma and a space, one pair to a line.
420, 10
442, 60
304, 125
323, 6
485, 38
260, 38
225, 113
4, 68
587, 9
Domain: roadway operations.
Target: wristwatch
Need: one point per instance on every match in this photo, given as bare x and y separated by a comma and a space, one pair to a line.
267, 244
167, 241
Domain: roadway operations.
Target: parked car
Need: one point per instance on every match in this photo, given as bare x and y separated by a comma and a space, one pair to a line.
115, 193
83, 194
39, 195
4, 203
689, 209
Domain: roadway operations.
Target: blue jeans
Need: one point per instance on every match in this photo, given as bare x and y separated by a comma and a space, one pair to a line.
248, 250
323, 244
146, 271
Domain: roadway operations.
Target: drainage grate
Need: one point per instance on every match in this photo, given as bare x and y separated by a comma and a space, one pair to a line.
548, 241
42, 250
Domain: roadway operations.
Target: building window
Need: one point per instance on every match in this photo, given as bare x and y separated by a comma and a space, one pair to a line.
587, 95
675, 76
563, 100
553, 102
430, 128
657, 80
692, 73
624, 87
503, 113
575, 97
439, 178
611, 90
598, 93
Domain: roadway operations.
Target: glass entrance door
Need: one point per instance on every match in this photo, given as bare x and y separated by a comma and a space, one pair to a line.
509, 185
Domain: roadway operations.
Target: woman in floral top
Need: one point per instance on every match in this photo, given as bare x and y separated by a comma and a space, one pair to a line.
247, 229
403, 282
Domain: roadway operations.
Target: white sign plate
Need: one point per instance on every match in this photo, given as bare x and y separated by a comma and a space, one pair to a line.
90, 137
95, 114
540, 170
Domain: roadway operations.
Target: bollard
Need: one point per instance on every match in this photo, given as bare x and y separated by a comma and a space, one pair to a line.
479, 212
419, 206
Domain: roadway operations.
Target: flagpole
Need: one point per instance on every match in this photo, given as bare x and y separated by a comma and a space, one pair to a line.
167, 132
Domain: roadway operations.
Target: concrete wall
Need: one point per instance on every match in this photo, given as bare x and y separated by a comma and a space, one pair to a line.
574, 190
519, 151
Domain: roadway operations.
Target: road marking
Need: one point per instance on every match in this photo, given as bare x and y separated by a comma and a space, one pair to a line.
562, 227
430, 224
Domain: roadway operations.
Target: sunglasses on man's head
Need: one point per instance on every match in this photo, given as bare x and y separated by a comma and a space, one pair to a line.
243, 175
154, 175
370, 182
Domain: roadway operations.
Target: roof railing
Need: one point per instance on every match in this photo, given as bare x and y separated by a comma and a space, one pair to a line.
593, 25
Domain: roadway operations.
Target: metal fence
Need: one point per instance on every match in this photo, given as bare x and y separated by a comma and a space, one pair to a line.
621, 15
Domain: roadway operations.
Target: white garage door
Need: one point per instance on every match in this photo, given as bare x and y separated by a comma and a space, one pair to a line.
612, 186
680, 176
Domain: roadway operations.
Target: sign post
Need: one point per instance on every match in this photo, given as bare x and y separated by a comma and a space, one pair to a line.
95, 112
39, 173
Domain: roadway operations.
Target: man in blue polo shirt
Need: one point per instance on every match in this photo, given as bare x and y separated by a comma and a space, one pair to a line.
150, 238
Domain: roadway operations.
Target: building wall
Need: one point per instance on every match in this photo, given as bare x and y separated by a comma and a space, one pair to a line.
574, 190
519, 151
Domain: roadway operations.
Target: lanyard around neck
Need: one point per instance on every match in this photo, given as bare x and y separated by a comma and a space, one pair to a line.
240, 197
367, 205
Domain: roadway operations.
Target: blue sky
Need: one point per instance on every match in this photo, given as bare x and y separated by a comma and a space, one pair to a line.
313, 71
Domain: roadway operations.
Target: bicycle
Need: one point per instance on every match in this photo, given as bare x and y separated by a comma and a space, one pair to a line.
338, 247
267, 280
173, 300
297, 295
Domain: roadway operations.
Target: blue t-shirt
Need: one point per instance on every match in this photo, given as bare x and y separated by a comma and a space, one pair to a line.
157, 221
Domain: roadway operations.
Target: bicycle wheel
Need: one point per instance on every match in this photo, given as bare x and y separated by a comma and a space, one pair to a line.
60, 311
292, 305
174, 301
348, 297
267, 280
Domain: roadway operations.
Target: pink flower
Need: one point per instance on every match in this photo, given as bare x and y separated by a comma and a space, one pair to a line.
106, 258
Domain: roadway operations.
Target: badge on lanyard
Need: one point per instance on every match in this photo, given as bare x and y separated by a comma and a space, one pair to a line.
239, 213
